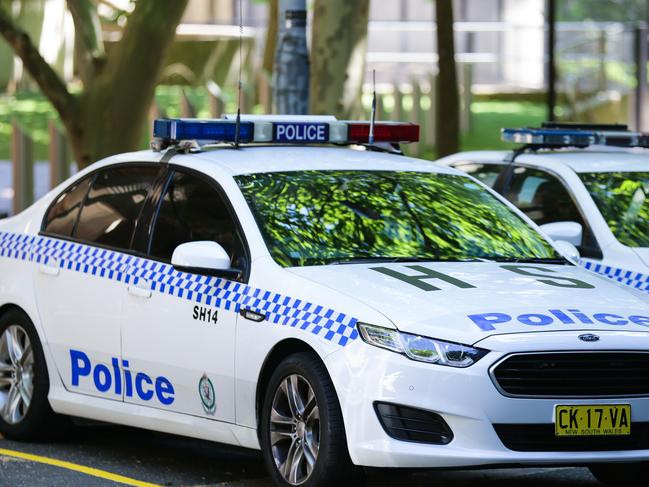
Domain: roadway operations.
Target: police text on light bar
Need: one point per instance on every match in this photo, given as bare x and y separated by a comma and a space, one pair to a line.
290, 130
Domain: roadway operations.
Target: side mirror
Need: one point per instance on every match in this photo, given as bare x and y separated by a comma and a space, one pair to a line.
570, 232
203, 257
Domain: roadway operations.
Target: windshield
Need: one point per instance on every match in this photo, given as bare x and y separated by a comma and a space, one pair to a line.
325, 217
622, 198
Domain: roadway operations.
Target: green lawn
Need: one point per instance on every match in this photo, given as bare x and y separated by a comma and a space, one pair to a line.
33, 112
490, 116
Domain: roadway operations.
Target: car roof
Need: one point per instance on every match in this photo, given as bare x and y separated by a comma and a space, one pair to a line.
277, 158
592, 159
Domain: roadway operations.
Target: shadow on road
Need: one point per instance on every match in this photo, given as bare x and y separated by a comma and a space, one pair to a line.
174, 461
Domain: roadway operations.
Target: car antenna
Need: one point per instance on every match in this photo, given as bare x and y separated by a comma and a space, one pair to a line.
238, 119
371, 146
373, 111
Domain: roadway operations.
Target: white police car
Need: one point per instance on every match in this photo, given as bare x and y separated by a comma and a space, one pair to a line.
585, 184
334, 308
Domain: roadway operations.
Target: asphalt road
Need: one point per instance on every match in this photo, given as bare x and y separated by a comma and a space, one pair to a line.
159, 459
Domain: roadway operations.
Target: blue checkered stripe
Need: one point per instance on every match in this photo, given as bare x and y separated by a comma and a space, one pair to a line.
287, 311
212, 291
634, 279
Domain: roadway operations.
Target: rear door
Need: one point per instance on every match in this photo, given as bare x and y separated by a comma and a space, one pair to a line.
83, 258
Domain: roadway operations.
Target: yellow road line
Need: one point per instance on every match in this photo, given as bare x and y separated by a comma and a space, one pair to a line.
77, 468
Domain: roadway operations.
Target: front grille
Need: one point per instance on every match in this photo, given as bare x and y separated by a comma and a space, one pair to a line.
411, 424
574, 374
541, 437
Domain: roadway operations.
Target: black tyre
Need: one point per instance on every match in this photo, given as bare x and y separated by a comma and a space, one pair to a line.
620, 473
25, 413
302, 432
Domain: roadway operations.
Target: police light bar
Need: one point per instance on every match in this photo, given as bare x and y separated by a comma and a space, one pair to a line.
281, 130
574, 137
202, 130
393, 132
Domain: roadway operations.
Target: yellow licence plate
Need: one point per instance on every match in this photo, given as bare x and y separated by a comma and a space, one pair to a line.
593, 420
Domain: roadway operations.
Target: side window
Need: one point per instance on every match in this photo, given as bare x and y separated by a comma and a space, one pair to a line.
63, 213
544, 198
113, 204
485, 173
192, 210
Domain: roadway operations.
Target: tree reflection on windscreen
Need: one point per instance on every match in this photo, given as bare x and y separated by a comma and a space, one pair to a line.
324, 217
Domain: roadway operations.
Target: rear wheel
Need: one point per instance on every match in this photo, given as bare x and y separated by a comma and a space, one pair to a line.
25, 412
620, 473
302, 433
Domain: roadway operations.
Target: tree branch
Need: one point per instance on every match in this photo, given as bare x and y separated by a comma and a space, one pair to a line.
49, 82
89, 41
133, 65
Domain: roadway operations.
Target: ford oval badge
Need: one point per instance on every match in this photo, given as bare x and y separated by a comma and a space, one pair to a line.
589, 338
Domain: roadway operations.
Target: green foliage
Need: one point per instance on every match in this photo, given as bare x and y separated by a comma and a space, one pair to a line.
490, 116
33, 112
317, 217
601, 10
619, 74
623, 199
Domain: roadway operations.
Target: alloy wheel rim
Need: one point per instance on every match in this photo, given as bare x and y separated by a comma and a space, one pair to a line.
295, 429
16, 374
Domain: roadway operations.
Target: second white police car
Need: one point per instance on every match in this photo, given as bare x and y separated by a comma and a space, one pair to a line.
335, 308
584, 184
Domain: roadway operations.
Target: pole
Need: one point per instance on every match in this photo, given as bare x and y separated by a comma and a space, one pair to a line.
22, 157
58, 155
641, 58
291, 83
551, 18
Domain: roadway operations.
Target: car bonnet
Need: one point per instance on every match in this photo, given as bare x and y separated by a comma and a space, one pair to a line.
467, 302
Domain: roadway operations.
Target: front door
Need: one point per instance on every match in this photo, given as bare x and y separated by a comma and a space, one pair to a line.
180, 326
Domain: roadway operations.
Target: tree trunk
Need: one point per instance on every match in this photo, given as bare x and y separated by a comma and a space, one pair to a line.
271, 36
448, 97
338, 47
113, 110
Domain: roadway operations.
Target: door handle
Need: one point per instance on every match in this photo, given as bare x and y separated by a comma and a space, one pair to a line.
139, 292
252, 315
49, 270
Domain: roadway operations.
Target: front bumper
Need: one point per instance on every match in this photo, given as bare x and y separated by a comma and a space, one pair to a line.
468, 401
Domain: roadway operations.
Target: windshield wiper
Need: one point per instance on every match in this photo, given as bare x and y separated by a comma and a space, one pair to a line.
359, 260
463, 259
372, 260
534, 260
404, 259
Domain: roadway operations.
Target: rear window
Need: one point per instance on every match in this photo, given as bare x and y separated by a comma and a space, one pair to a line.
113, 205
63, 214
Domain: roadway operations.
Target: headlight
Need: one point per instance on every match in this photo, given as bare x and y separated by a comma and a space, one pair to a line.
422, 349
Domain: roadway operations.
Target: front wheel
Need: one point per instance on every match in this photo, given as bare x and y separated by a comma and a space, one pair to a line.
302, 432
620, 473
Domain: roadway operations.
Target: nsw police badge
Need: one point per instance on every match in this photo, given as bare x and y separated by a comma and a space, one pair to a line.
206, 392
